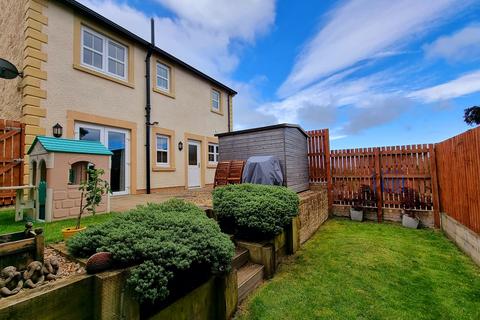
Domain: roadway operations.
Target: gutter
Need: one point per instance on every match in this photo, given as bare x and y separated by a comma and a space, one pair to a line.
148, 109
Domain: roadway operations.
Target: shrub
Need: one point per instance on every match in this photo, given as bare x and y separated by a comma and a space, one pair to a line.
163, 240
258, 211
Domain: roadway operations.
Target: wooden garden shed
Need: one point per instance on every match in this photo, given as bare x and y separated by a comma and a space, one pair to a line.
286, 141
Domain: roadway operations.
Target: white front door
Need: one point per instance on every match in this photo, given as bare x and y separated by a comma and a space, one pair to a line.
194, 164
118, 142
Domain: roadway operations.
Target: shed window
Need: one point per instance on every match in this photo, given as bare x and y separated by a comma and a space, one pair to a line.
103, 54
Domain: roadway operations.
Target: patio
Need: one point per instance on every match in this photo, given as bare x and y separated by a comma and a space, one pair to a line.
201, 197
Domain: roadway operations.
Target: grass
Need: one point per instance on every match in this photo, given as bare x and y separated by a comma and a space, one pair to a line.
51, 230
365, 270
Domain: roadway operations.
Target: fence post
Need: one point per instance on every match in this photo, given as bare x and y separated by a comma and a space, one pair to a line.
435, 194
378, 179
326, 141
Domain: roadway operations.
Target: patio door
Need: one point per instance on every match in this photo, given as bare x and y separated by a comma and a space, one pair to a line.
194, 163
118, 142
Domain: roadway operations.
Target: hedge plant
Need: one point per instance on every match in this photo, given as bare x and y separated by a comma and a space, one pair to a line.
161, 240
257, 211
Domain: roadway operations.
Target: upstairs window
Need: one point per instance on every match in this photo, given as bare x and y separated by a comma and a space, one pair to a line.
212, 153
215, 100
163, 77
163, 153
103, 54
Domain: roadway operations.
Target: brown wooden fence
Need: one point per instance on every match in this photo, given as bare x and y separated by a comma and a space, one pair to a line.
318, 153
12, 145
458, 163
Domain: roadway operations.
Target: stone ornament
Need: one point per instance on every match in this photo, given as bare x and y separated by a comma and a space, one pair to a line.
11, 281
33, 276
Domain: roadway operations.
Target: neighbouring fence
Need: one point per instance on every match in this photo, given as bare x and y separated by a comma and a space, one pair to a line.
458, 163
435, 177
12, 148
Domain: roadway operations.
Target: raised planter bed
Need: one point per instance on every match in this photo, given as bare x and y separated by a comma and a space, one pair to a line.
21, 248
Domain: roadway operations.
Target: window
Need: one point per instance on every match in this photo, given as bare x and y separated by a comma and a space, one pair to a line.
212, 152
78, 172
215, 100
163, 153
103, 54
163, 77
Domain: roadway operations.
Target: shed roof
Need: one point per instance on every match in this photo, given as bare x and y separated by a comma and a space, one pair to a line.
52, 144
271, 127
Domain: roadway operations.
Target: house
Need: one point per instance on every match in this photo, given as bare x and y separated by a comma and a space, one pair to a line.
87, 74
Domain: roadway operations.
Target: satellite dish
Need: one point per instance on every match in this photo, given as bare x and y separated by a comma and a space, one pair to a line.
8, 70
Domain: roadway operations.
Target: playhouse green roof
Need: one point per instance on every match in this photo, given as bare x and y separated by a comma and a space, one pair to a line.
52, 144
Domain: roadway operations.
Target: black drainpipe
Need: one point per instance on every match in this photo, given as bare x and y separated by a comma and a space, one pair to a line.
148, 107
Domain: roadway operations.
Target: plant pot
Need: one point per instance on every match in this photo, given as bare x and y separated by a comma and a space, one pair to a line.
356, 215
69, 232
410, 222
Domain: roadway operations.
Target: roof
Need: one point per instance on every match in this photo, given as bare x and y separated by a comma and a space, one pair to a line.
52, 144
272, 127
80, 8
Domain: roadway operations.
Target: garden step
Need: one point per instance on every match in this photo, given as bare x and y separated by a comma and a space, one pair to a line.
240, 258
249, 277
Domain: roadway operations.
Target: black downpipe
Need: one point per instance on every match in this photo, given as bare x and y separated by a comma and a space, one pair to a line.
148, 107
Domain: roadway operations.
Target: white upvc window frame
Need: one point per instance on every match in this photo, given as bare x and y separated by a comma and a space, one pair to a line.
162, 164
105, 56
212, 100
168, 78
215, 153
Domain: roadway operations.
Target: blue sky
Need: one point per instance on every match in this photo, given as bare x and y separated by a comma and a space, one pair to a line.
375, 72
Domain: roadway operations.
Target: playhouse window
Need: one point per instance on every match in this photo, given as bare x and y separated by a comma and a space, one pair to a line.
78, 172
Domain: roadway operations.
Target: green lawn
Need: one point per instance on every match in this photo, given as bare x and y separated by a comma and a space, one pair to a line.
365, 270
51, 230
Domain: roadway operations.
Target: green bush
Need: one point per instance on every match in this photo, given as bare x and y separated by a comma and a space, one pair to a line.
162, 240
257, 211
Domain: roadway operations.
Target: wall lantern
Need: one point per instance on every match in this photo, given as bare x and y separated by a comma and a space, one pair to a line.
180, 146
57, 130
8, 70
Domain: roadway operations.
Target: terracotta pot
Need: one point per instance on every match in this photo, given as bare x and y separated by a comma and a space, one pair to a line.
68, 232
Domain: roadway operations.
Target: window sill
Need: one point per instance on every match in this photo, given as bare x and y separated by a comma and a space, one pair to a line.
212, 166
217, 112
102, 75
165, 93
163, 169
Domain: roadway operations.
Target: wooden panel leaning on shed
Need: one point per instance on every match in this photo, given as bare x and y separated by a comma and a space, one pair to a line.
286, 141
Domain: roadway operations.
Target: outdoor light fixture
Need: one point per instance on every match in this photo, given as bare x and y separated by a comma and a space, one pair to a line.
180, 146
57, 130
8, 70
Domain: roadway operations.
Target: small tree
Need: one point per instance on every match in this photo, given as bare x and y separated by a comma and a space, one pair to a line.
472, 115
93, 189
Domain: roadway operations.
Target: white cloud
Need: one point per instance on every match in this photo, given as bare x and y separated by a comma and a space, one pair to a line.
242, 19
202, 33
357, 30
464, 44
466, 84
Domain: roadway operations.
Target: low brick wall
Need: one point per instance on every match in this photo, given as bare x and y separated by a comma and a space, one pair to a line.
313, 211
467, 240
426, 217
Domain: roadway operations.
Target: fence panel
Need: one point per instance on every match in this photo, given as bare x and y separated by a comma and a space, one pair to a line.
458, 174
388, 177
318, 153
11, 158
